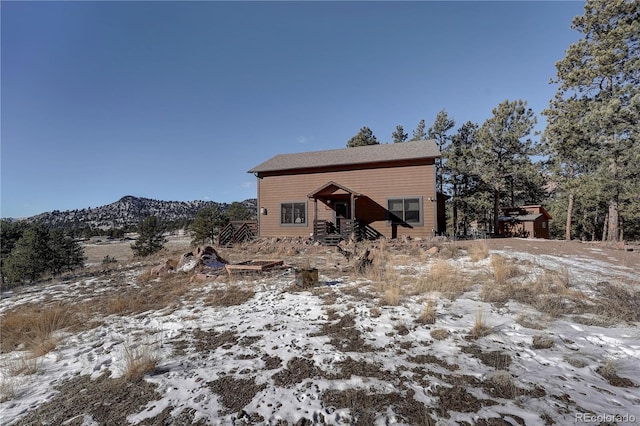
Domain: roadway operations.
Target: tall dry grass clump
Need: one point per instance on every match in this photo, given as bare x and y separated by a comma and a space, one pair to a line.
444, 278
478, 251
138, 362
33, 328
428, 314
480, 327
503, 269
392, 295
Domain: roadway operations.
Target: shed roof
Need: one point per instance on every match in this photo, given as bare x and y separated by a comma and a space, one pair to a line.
348, 156
520, 218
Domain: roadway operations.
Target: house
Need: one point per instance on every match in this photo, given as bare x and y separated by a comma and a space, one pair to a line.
368, 192
524, 221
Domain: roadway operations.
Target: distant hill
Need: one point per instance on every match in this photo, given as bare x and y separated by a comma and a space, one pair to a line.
129, 211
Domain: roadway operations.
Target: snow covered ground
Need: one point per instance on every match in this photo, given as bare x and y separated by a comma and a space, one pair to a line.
259, 350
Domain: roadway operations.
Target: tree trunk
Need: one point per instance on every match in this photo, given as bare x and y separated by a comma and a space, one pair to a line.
567, 230
455, 210
496, 211
605, 227
613, 233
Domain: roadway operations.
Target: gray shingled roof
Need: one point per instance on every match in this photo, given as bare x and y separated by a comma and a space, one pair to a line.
345, 156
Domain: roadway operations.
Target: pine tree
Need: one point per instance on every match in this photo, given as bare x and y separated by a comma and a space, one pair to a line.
419, 133
237, 211
150, 237
460, 176
503, 155
207, 225
441, 125
600, 78
364, 137
65, 254
30, 257
399, 135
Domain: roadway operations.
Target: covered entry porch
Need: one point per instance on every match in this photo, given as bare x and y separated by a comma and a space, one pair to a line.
336, 215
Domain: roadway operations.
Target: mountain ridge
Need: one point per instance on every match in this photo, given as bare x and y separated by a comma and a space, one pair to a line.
128, 211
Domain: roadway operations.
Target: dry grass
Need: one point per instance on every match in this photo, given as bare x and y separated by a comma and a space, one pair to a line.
549, 292
533, 322
448, 251
23, 366
232, 295
618, 302
503, 269
32, 327
540, 341
445, 279
439, 333
478, 251
503, 385
8, 389
480, 327
428, 315
138, 362
391, 296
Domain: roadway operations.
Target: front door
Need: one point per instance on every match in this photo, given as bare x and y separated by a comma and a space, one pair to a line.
342, 211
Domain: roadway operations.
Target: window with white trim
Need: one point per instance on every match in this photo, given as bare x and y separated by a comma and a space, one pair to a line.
407, 210
293, 213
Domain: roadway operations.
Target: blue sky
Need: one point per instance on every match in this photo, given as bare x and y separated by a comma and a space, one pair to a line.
176, 101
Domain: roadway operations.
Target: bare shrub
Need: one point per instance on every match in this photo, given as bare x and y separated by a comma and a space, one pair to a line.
439, 333
480, 327
540, 341
478, 251
138, 362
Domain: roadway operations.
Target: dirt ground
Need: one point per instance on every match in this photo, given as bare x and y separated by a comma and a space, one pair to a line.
597, 250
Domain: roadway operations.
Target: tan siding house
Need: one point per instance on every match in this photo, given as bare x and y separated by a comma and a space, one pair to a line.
377, 190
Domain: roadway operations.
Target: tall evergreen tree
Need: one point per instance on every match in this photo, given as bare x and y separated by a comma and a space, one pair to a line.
364, 137
419, 134
30, 257
460, 176
237, 211
503, 155
150, 237
207, 224
438, 131
65, 254
600, 75
399, 136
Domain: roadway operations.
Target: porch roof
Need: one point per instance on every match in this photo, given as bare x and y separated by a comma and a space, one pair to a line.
329, 188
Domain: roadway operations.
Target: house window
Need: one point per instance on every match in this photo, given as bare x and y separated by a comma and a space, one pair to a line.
407, 210
293, 213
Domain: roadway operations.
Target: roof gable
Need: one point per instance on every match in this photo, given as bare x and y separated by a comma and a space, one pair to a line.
350, 156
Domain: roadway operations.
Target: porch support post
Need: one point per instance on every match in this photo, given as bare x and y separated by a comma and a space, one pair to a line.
315, 216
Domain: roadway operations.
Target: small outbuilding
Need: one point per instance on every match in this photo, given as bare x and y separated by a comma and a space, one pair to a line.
524, 221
